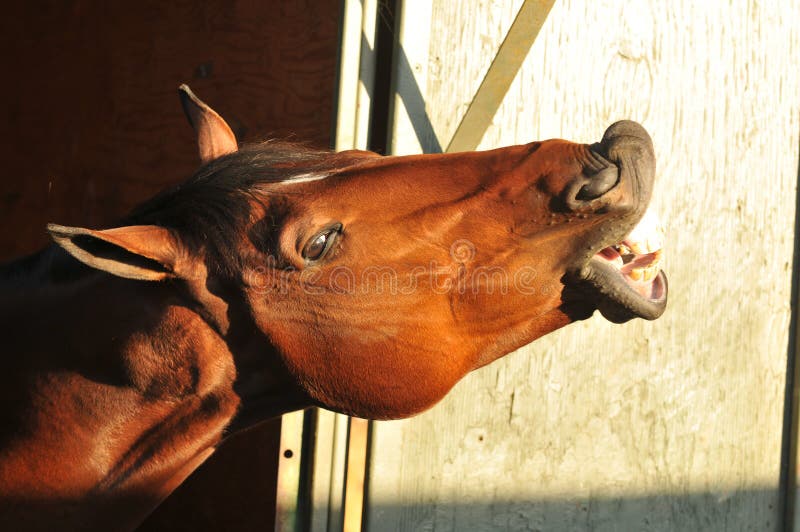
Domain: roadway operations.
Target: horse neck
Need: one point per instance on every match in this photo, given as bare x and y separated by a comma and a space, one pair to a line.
113, 391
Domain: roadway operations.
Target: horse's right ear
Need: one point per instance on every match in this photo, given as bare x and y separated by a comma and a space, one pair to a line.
214, 136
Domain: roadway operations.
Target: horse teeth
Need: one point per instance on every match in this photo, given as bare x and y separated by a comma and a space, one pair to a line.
647, 238
645, 273
649, 273
648, 235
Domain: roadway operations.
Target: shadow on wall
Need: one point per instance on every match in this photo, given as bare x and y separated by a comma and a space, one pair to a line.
393, 76
710, 511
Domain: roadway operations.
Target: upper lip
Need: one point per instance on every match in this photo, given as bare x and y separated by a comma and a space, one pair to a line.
628, 146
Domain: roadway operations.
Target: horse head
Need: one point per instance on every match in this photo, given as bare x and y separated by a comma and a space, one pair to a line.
370, 285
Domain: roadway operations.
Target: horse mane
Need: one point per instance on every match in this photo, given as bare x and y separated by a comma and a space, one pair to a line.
208, 211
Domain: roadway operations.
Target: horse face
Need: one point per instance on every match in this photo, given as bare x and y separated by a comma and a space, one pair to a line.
391, 278
378, 282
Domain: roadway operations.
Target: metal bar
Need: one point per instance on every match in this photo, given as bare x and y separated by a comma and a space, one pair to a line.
501, 74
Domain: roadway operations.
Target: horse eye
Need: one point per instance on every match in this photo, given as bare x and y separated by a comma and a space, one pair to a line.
320, 244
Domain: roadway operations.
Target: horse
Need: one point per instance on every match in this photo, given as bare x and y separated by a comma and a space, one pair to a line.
280, 277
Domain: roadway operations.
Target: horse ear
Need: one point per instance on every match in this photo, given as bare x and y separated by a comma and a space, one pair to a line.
142, 252
214, 136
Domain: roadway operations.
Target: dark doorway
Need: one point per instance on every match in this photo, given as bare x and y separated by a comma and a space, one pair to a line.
92, 125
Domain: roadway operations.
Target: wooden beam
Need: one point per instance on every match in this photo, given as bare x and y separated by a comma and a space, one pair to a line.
501, 74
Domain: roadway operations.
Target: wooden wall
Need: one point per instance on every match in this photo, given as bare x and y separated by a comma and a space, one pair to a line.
669, 425
91, 125
91, 121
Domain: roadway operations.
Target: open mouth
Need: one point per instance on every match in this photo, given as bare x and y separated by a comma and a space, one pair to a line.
627, 276
637, 259
623, 278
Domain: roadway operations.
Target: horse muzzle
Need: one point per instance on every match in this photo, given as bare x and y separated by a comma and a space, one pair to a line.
620, 268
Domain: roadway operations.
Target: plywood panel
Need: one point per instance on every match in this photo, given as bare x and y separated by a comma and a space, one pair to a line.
670, 425
90, 120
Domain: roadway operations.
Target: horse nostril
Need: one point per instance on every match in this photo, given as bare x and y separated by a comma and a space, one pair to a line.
600, 183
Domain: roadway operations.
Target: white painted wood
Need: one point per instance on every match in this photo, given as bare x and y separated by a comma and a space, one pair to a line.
349, 66
669, 425
357, 435
328, 473
356, 73
505, 65
409, 81
328, 478
289, 472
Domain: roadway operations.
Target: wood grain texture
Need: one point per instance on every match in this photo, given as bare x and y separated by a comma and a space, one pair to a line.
90, 115
669, 425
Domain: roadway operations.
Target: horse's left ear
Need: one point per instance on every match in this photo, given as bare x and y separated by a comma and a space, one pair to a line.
143, 252
214, 135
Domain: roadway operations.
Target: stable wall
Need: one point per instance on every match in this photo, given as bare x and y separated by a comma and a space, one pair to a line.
671, 425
